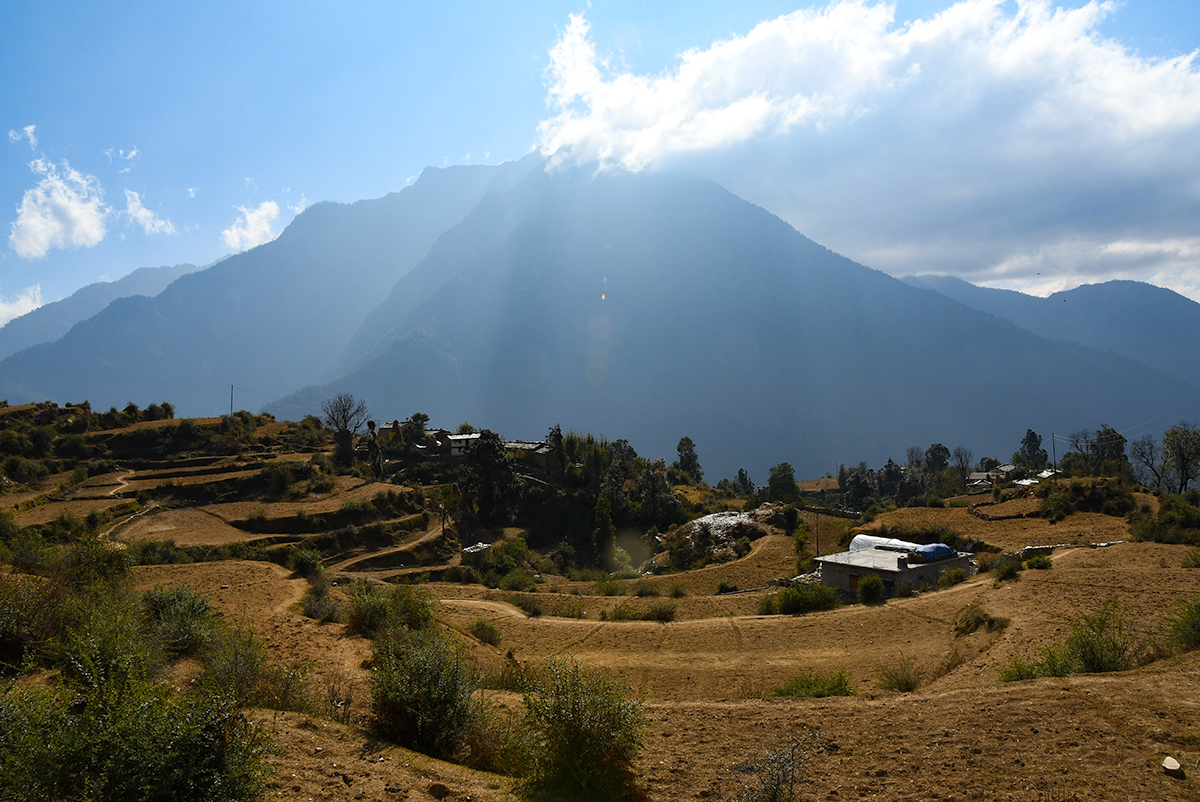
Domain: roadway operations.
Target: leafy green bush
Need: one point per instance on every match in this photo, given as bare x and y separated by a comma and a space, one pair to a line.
870, 589
952, 577
319, 603
1039, 562
127, 739
1097, 643
236, 665
485, 632
304, 560
586, 733
661, 611
813, 684
802, 598
179, 617
1192, 558
1102, 642
677, 591
422, 692
607, 588
373, 610
1185, 630
1007, 566
644, 588
903, 676
725, 587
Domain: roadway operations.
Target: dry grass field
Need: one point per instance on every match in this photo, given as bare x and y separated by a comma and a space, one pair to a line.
707, 676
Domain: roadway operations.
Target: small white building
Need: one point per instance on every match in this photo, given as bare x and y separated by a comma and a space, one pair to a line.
892, 561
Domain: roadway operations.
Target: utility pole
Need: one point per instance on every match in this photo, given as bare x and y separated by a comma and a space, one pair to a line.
1054, 450
231, 400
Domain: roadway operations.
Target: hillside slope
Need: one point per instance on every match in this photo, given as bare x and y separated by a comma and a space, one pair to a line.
267, 320
658, 307
51, 321
1155, 326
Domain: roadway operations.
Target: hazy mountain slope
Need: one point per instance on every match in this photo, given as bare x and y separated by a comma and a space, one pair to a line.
51, 321
267, 320
650, 307
1156, 326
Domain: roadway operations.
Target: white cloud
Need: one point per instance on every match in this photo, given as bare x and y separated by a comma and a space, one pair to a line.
299, 205
150, 222
25, 301
65, 210
191, 191
995, 141
24, 133
253, 227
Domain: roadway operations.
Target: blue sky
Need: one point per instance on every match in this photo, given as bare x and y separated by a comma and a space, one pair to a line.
1033, 146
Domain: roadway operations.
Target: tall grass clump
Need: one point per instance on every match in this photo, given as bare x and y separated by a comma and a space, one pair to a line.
1192, 558
180, 618
816, 685
319, 603
1185, 630
1097, 643
1039, 562
422, 692
586, 731
903, 676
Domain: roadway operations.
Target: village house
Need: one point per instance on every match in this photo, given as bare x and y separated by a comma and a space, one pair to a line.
893, 561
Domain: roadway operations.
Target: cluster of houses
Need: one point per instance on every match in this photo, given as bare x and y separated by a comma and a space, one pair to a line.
984, 481
442, 444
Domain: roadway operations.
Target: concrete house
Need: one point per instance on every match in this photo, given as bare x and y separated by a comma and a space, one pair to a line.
892, 561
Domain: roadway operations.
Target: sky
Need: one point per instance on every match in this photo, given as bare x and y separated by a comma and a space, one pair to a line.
1026, 145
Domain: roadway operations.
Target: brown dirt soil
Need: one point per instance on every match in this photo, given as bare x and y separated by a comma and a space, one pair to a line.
707, 676
186, 527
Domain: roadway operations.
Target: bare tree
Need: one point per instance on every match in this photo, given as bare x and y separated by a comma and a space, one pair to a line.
345, 415
1149, 461
962, 462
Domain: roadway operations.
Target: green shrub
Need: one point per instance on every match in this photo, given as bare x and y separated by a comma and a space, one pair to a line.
902, 676
644, 588
1019, 670
1192, 558
677, 591
1185, 630
128, 740
802, 598
1007, 566
741, 546
870, 589
661, 611
952, 577
1039, 562
304, 560
422, 692
485, 632
519, 580
725, 587
373, 610
179, 617
975, 617
768, 606
586, 733
607, 588
236, 664
815, 685
319, 603
1102, 642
